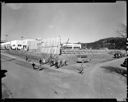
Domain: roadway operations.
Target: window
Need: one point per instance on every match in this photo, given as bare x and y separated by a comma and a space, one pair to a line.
76, 47
19, 45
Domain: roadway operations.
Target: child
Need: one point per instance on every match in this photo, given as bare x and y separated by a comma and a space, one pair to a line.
33, 65
40, 61
26, 58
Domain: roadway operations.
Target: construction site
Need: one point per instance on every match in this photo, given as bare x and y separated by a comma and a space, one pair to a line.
64, 51
49, 69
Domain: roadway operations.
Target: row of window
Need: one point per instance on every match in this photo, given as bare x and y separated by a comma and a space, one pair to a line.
16, 47
71, 47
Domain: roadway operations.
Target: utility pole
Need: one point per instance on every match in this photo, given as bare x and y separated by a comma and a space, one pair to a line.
6, 37
60, 39
60, 44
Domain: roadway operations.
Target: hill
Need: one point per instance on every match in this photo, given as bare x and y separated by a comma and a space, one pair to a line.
110, 43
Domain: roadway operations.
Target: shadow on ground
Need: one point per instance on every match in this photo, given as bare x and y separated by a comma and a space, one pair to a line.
117, 70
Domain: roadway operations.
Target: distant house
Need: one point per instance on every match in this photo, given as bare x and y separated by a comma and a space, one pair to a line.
5, 45
23, 44
14, 44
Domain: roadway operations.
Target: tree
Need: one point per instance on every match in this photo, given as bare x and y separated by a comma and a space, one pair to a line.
122, 31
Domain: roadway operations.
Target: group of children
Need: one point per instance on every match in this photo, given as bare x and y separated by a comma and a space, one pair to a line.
51, 61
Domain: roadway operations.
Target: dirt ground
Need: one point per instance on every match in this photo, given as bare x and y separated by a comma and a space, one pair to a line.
66, 82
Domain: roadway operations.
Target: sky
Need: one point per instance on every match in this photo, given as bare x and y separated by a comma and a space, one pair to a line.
80, 22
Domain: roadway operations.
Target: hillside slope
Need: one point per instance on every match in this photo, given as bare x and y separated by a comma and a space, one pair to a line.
110, 43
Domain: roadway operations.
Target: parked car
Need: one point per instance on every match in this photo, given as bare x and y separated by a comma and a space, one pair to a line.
82, 59
125, 63
118, 55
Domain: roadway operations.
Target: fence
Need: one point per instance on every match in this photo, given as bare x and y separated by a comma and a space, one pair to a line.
67, 51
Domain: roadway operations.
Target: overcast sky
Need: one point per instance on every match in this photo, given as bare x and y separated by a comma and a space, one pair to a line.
80, 22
